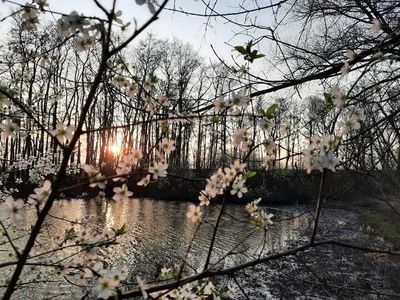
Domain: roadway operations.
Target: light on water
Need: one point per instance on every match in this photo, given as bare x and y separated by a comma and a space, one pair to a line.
159, 234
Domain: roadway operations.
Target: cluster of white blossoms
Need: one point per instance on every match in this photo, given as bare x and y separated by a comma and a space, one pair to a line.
85, 33
8, 129
46, 59
163, 101
351, 55
30, 16
127, 163
338, 98
194, 214
270, 152
241, 139
320, 154
351, 121
130, 87
238, 100
86, 267
259, 217
229, 177
150, 84
157, 169
96, 178
159, 166
41, 194
63, 132
41, 167
152, 105
109, 280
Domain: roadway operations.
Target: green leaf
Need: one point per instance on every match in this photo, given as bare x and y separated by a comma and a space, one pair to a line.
241, 50
215, 119
121, 230
164, 127
248, 46
262, 112
69, 234
250, 174
256, 223
272, 110
259, 56
328, 99
153, 78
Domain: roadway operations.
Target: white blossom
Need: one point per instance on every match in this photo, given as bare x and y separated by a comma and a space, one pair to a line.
167, 145
144, 181
41, 194
194, 213
240, 99
238, 187
4, 101
13, 208
63, 132
158, 169
376, 25
106, 287
8, 129
29, 16
122, 193
351, 55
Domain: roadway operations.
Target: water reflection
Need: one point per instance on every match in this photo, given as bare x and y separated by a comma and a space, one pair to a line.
159, 234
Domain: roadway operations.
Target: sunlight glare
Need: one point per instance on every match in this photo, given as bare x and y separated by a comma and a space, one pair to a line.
115, 149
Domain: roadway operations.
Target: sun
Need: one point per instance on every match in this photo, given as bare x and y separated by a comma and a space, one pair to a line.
115, 149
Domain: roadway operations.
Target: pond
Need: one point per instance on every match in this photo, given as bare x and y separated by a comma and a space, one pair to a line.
158, 234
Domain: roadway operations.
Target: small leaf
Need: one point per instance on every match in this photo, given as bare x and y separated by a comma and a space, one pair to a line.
240, 49
254, 53
328, 99
256, 223
250, 174
121, 230
259, 56
69, 234
262, 112
140, 2
215, 119
153, 78
272, 110
152, 8
248, 46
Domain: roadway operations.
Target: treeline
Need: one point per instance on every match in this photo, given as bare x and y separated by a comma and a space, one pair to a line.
164, 88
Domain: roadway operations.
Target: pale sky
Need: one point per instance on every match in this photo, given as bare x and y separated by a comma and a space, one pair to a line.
186, 28
220, 33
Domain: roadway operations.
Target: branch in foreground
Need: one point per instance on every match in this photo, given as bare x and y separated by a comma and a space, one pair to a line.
229, 271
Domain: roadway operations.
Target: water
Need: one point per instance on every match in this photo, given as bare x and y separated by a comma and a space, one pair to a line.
158, 235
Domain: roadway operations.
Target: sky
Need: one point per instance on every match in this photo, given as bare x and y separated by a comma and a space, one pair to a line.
186, 28
219, 33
